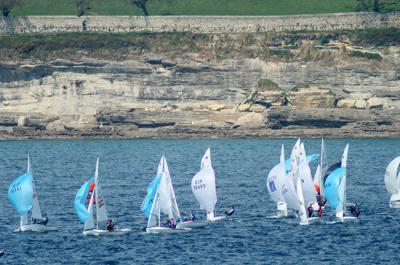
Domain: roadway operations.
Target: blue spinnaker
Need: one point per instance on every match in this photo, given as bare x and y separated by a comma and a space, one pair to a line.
80, 201
20, 193
151, 192
332, 187
310, 158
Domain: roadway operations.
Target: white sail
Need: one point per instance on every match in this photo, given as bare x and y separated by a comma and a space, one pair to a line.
289, 191
204, 189
206, 159
392, 176
175, 209
89, 224
341, 208
275, 179
36, 212
302, 153
101, 211
302, 208
307, 182
294, 159
317, 177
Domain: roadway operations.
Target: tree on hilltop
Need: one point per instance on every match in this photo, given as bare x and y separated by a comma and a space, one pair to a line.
7, 5
379, 6
140, 4
81, 7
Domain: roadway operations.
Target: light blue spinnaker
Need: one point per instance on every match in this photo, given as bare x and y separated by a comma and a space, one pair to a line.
332, 187
310, 158
20, 193
151, 192
80, 201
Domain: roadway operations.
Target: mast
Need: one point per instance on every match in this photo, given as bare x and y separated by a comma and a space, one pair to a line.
96, 175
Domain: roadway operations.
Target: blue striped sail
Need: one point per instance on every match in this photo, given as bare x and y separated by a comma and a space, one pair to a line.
332, 187
148, 200
20, 193
310, 158
80, 201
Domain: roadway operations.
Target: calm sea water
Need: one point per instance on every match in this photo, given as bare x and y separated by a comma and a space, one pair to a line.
251, 237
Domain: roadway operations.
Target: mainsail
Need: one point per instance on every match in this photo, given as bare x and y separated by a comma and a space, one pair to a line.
206, 159
392, 176
204, 188
275, 179
101, 211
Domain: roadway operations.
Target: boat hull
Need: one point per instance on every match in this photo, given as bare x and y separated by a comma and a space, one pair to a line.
100, 232
349, 219
192, 224
166, 230
215, 218
394, 204
311, 221
35, 228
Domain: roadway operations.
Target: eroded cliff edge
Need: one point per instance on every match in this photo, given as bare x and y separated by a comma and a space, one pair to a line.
200, 85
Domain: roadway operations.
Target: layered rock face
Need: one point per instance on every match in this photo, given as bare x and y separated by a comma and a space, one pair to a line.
214, 85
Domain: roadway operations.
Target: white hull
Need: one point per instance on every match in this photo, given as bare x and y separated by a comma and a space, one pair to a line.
99, 232
348, 219
311, 220
215, 218
394, 204
167, 230
35, 228
192, 224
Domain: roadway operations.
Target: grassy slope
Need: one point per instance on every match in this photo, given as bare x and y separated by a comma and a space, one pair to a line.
191, 7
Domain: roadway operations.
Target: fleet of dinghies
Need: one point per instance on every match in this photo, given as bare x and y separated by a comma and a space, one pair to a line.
296, 193
289, 183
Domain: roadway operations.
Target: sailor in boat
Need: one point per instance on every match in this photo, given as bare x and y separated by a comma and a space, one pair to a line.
321, 200
354, 210
310, 211
192, 217
42, 221
230, 211
109, 225
172, 223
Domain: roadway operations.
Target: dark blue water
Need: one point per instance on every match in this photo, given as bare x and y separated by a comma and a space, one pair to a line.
127, 167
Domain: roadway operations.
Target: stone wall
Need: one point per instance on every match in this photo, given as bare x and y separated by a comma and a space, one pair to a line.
206, 24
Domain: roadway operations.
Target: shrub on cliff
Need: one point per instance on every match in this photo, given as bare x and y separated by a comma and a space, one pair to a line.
7, 5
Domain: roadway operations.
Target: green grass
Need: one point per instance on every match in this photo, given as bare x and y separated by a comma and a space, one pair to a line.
190, 7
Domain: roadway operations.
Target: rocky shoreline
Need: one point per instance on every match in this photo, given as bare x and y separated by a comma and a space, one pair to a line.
200, 86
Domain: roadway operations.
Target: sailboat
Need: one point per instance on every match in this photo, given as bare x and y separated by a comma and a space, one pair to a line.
160, 199
23, 196
204, 187
335, 190
275, 181
90, 193
392, 182
293, 186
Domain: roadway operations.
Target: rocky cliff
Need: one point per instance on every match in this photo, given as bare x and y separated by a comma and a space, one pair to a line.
200, 85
